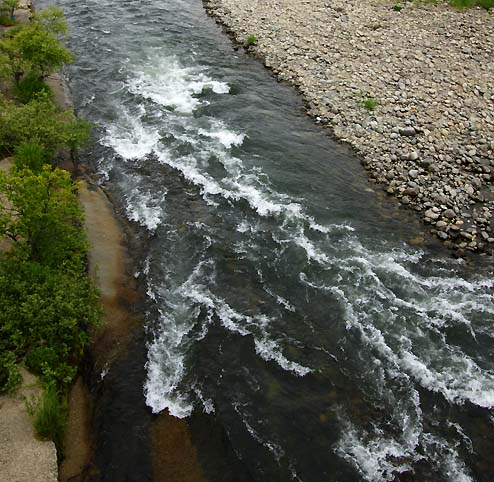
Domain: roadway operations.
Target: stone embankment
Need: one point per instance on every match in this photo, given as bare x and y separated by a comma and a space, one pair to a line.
412, 91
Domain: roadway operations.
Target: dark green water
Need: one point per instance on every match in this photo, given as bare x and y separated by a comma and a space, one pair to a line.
280, 294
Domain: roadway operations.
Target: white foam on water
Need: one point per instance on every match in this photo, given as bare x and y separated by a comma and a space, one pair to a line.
145, 208
374, 459
207, 403
128, 137
166, 353
273, 447
243, 325
380, 457
401, 329
446, 459
165, 369
165, 81
280, 300
225, 137
460, 381
394, 309
269, 350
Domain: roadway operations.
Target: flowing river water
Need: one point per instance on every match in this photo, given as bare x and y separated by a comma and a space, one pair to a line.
281, 297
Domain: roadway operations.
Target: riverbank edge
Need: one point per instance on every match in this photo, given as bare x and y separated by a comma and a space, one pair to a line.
461, 235
26, 457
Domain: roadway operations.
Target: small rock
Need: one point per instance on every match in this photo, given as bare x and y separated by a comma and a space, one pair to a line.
408, 131
449, 213
413, 156
431, 214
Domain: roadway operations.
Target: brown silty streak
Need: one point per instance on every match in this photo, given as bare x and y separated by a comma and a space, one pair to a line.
175, 457
108, 266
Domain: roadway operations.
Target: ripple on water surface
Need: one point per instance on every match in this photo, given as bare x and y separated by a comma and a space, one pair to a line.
277, 298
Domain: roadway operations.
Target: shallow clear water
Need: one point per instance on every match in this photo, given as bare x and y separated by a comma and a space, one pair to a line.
280, 293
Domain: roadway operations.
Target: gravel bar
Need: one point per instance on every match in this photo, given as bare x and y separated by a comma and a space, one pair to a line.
409, 86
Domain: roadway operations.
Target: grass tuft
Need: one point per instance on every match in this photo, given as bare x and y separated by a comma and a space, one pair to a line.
251, 40
49, 414
462, 4
368, 103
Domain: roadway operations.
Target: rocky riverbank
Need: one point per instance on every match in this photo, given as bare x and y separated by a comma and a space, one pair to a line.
411, 91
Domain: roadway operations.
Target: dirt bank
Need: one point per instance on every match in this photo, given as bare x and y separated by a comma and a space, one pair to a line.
23, 457
109, 268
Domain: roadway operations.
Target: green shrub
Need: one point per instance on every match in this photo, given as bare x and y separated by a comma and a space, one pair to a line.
10, 378
40, 119
46, 313
49, 414
47, 301
7, 7
7, 21
43, 217
250, 40
30, 155
30, 87
35, 47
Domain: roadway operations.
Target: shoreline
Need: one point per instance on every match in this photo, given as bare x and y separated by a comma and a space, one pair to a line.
422, 128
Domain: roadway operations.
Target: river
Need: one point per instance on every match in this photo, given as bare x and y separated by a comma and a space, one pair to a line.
281, 295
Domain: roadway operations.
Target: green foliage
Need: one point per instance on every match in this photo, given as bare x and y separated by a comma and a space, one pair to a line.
47, 302
30, 155
41, 120
49, 414
461, 4
31, 87
35, 48
10, 378
45, 314
41, 49
368, 103
42, 216
250, 40
397, 8
52, 19
6, 21
8, 6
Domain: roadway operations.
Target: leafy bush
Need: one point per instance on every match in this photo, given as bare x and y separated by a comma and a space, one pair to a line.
30, 87
49, 414
35, 48
40, 49
46, 313
47, 301
30, 155
7, 7
42, 216
6, 21
40, 119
